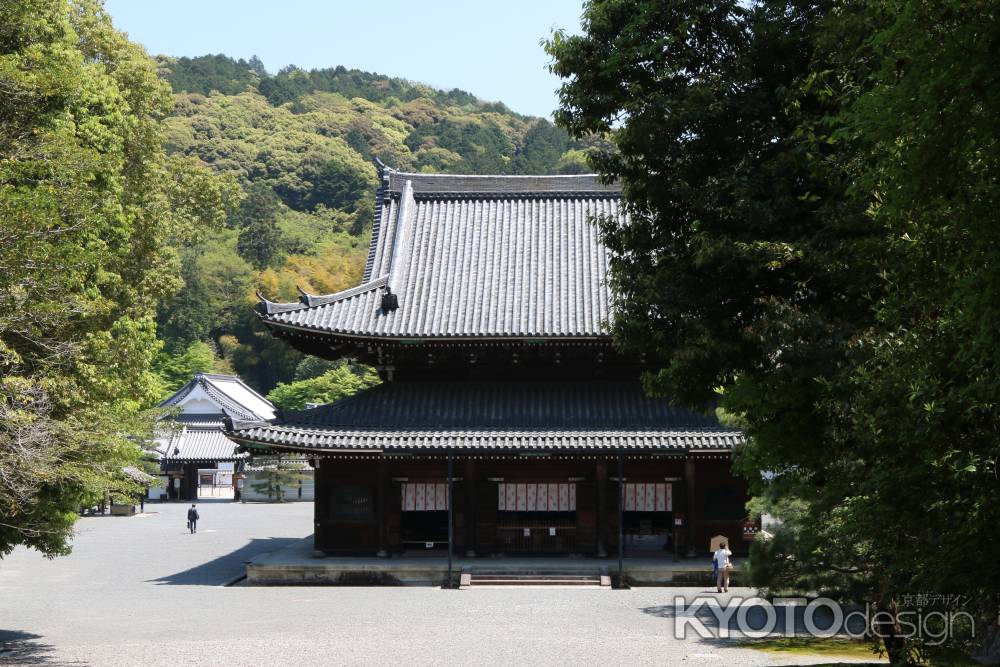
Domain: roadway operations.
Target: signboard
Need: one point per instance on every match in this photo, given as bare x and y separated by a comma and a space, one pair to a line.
678, 519
750, 530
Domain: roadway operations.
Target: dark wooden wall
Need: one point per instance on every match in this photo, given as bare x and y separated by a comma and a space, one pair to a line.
373, 520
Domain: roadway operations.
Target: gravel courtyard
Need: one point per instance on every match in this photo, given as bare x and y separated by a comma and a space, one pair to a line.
143, 591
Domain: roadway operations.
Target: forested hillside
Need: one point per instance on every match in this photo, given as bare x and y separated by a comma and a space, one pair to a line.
301, 146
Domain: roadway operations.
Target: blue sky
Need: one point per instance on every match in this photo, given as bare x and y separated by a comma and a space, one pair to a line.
487, 48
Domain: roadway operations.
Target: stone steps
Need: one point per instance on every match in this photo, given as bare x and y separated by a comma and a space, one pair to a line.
548, 578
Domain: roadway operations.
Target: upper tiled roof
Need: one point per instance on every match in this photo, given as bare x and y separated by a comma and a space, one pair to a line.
496, 416
233, 396
432, 185
473, 257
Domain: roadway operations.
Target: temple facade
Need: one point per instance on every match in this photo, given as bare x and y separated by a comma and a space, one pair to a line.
506, 422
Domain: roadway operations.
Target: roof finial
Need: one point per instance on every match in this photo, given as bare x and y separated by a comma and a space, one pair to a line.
390, 301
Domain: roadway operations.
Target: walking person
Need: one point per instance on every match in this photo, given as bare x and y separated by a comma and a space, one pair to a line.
722, 562
193, 519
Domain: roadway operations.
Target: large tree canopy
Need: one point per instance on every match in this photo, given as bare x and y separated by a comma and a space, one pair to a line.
811, 241
89, 205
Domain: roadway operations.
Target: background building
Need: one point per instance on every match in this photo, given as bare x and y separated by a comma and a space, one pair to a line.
194, 453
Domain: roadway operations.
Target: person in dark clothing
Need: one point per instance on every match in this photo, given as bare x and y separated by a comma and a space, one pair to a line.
193, 519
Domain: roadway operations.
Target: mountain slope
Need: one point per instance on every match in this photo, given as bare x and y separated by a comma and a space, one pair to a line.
301, 145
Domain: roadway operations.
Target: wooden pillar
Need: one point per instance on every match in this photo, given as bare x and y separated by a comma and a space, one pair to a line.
470, 508
689, 480
189, 485
383, 505
321, 508
601, 476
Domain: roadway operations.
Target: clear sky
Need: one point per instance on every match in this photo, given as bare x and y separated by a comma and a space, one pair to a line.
490, 49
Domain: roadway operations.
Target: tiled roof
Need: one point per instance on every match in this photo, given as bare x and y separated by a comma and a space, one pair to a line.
137, 475
474, 256
200, 420
233, 396
495, 416
198, 444
429, 185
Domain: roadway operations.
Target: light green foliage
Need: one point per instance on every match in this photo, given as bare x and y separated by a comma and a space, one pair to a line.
89, 205
175, 370
813, 193
333, 385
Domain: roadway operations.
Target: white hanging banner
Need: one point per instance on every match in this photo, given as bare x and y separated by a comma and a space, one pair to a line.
425, 497
648, 497
536, 497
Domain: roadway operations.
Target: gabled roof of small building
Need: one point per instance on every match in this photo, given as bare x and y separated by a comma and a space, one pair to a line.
496, 416
233, 396
509, 257
203, 443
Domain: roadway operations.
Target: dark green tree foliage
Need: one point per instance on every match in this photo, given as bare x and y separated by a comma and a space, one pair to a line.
260, 203
812, 192
214, 72
325, 179
292, 82
259, 241
484, 147
257, 66
544, 145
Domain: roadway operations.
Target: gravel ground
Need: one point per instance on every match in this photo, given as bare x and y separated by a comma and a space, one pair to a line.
142, 591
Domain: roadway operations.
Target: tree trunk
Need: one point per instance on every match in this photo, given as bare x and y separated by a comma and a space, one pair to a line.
889, 631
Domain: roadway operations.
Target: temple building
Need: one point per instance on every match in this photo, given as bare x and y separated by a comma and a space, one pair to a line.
196, 459
484, 306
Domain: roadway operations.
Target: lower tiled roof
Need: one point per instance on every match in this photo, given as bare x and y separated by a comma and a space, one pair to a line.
537, 416
198, 444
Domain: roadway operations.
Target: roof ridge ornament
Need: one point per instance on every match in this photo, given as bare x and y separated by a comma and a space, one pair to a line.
390, 301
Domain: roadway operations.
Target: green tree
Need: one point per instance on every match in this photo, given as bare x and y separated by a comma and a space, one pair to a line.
810, 242
333, 177
175, 370
543, 147
89, 203
260, 243
220, 73
333, 385
276, 476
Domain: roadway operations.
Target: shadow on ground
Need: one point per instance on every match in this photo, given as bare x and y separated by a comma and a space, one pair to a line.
224, 569
730, 627
22, 648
